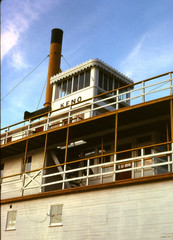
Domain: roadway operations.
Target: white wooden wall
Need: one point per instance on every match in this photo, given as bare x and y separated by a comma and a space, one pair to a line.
138, 212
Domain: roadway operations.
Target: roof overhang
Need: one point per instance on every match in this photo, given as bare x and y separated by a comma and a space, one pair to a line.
86, 65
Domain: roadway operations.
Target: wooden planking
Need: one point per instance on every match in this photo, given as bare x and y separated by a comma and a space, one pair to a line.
138, 212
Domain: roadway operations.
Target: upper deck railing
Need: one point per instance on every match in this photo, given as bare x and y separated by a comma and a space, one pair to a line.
130, 95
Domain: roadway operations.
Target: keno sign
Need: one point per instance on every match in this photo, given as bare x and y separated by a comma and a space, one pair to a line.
71, 102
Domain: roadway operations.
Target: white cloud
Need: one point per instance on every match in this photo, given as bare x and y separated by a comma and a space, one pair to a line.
16, 19
18, 61
152, 55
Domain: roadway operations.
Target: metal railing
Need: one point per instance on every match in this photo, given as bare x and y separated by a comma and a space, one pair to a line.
92, 171
140, 92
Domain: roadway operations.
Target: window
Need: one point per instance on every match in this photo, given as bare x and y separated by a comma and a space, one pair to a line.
64, 88
100, 79
110, 84
56, 215
81, 81
72, 84
87, 78
105, 82
28, 164
75, 83
58, 90
11, 220
69, 86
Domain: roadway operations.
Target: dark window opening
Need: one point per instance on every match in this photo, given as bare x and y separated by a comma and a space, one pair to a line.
69, 86
28, 164
2, 170
81, 81
75, 83
87, 78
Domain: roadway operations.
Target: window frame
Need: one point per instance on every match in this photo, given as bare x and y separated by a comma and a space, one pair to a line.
58, 223
12, 226
28, 164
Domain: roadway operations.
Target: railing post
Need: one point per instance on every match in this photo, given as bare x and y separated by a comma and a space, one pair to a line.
115, 161
101, 176
87, 179
69, 114
7, 133
172, 155
92, 107
133, 171
29, 126
64, 177
41, 175
48, 121
153, 161
143, 91
142, 162
171, 85
23, 183
117, 99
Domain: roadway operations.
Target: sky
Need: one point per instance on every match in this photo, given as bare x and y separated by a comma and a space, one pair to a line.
135, 37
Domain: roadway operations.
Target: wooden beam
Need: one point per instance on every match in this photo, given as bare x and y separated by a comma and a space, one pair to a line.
59, 167
25, 156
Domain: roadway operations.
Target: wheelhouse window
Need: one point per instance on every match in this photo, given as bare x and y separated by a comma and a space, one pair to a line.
72, 84
64, 88
75, 83
56, 215
107, 82
58, 90
87, 79
81, 81
69, 85
11, 220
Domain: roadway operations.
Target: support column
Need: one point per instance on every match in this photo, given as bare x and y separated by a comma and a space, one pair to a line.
116, 132
25, 156
45, 150
171, 118
115, 146
66, 149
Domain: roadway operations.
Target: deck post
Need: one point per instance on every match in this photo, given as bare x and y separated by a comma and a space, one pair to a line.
66, 149
142, 162
143, 91
171, 118
25, 156
115, 146
117, 99
171, 84
45, 150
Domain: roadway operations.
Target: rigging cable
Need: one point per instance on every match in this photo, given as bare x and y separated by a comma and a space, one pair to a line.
41, 94
24, 78
65, 61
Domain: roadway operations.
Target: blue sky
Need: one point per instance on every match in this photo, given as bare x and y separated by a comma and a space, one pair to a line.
135, 37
